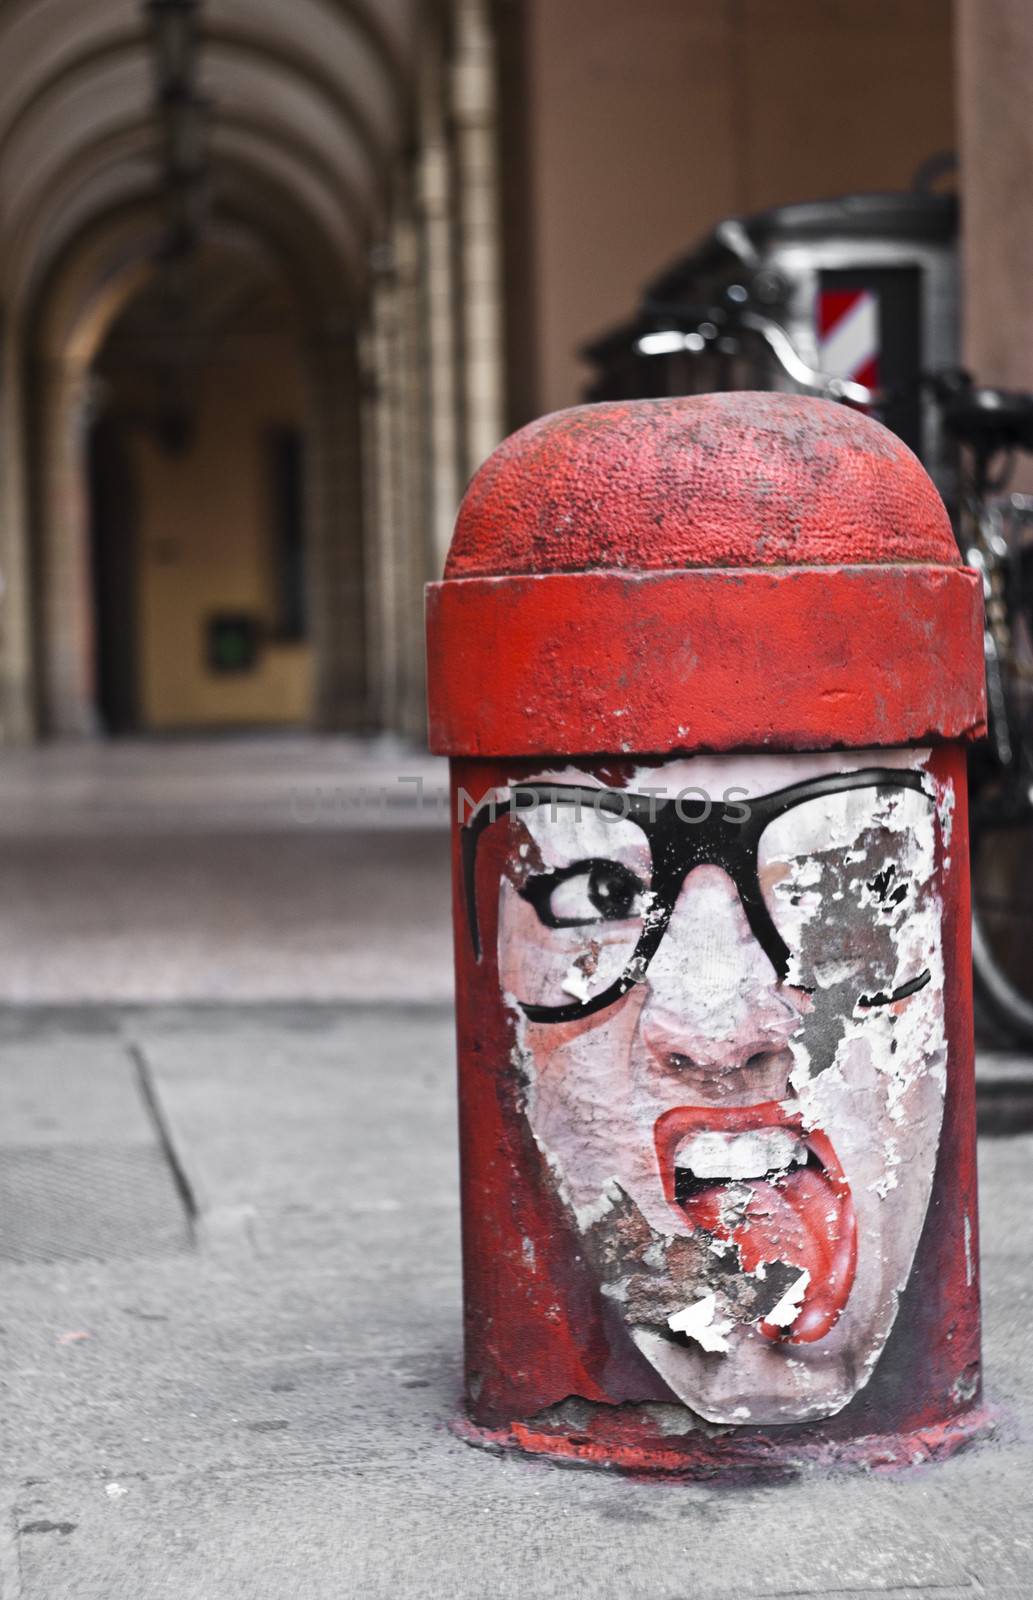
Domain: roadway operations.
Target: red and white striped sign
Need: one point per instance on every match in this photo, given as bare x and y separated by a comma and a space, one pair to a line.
848, 335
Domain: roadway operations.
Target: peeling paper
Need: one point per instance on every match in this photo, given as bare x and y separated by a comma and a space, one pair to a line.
970, 1270
785, 1313
869, 1078
701, 1322
576, 983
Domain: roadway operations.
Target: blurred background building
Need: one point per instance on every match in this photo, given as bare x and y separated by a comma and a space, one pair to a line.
276, 278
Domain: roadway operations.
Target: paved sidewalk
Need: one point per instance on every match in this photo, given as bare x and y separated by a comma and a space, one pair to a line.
248, 1397
288, 868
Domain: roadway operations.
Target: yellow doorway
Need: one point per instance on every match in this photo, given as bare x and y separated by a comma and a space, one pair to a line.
198, 507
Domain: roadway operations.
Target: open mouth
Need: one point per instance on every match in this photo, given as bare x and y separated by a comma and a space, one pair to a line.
754, 1177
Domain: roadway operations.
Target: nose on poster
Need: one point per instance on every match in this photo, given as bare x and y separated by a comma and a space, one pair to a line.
706, 669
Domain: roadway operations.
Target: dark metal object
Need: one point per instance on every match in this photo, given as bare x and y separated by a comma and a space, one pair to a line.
183, 114
757, 281
232, 641
173, 25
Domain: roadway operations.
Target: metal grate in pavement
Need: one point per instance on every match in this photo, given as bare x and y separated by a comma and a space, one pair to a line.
88, 1202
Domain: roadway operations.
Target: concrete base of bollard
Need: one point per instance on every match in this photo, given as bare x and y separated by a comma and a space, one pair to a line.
635, 1445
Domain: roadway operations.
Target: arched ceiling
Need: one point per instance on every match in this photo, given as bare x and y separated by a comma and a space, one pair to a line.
311, 102
228, 290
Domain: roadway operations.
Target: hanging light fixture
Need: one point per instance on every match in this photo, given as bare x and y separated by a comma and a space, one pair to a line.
186, 136
184, 116
173, 26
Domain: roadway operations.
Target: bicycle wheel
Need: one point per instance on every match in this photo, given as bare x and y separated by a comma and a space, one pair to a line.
1002, 929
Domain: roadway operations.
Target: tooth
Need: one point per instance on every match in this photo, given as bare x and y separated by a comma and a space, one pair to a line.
741, 1155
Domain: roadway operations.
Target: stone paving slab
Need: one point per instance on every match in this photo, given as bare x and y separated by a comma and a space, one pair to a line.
308, 915
56, 1092
263, 782
83, 1170
247, 869
467, 1525
267, 1415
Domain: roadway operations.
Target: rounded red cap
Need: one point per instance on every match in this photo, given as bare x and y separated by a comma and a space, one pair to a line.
715, 480
720, 572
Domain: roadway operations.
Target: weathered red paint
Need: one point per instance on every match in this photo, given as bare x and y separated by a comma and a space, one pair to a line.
733, 1456
871, 638
704, 659
723, 480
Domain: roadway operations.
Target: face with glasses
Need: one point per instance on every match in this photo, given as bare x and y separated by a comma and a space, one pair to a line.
727, 985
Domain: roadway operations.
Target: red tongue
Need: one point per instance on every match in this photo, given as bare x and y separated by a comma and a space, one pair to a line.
805, 1219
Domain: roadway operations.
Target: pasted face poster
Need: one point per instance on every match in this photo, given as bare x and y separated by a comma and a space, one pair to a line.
726, 980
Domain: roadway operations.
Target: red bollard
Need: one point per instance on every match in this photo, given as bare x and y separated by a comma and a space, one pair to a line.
706, 668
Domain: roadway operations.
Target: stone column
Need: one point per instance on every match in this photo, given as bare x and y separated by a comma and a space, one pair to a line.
414, 445
17, 678
436, 199
64, 613
398, 443
994, 74
382, 443
475, 147
336, 575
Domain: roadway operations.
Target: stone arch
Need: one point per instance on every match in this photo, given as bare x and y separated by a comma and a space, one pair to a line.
68, 313
330, 147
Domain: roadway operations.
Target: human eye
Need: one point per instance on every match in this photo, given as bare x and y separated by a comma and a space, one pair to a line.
587, 892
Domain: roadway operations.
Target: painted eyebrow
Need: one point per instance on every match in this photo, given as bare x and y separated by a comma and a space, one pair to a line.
903, 990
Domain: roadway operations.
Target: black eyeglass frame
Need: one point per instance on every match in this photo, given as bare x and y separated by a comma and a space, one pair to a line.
678, 844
